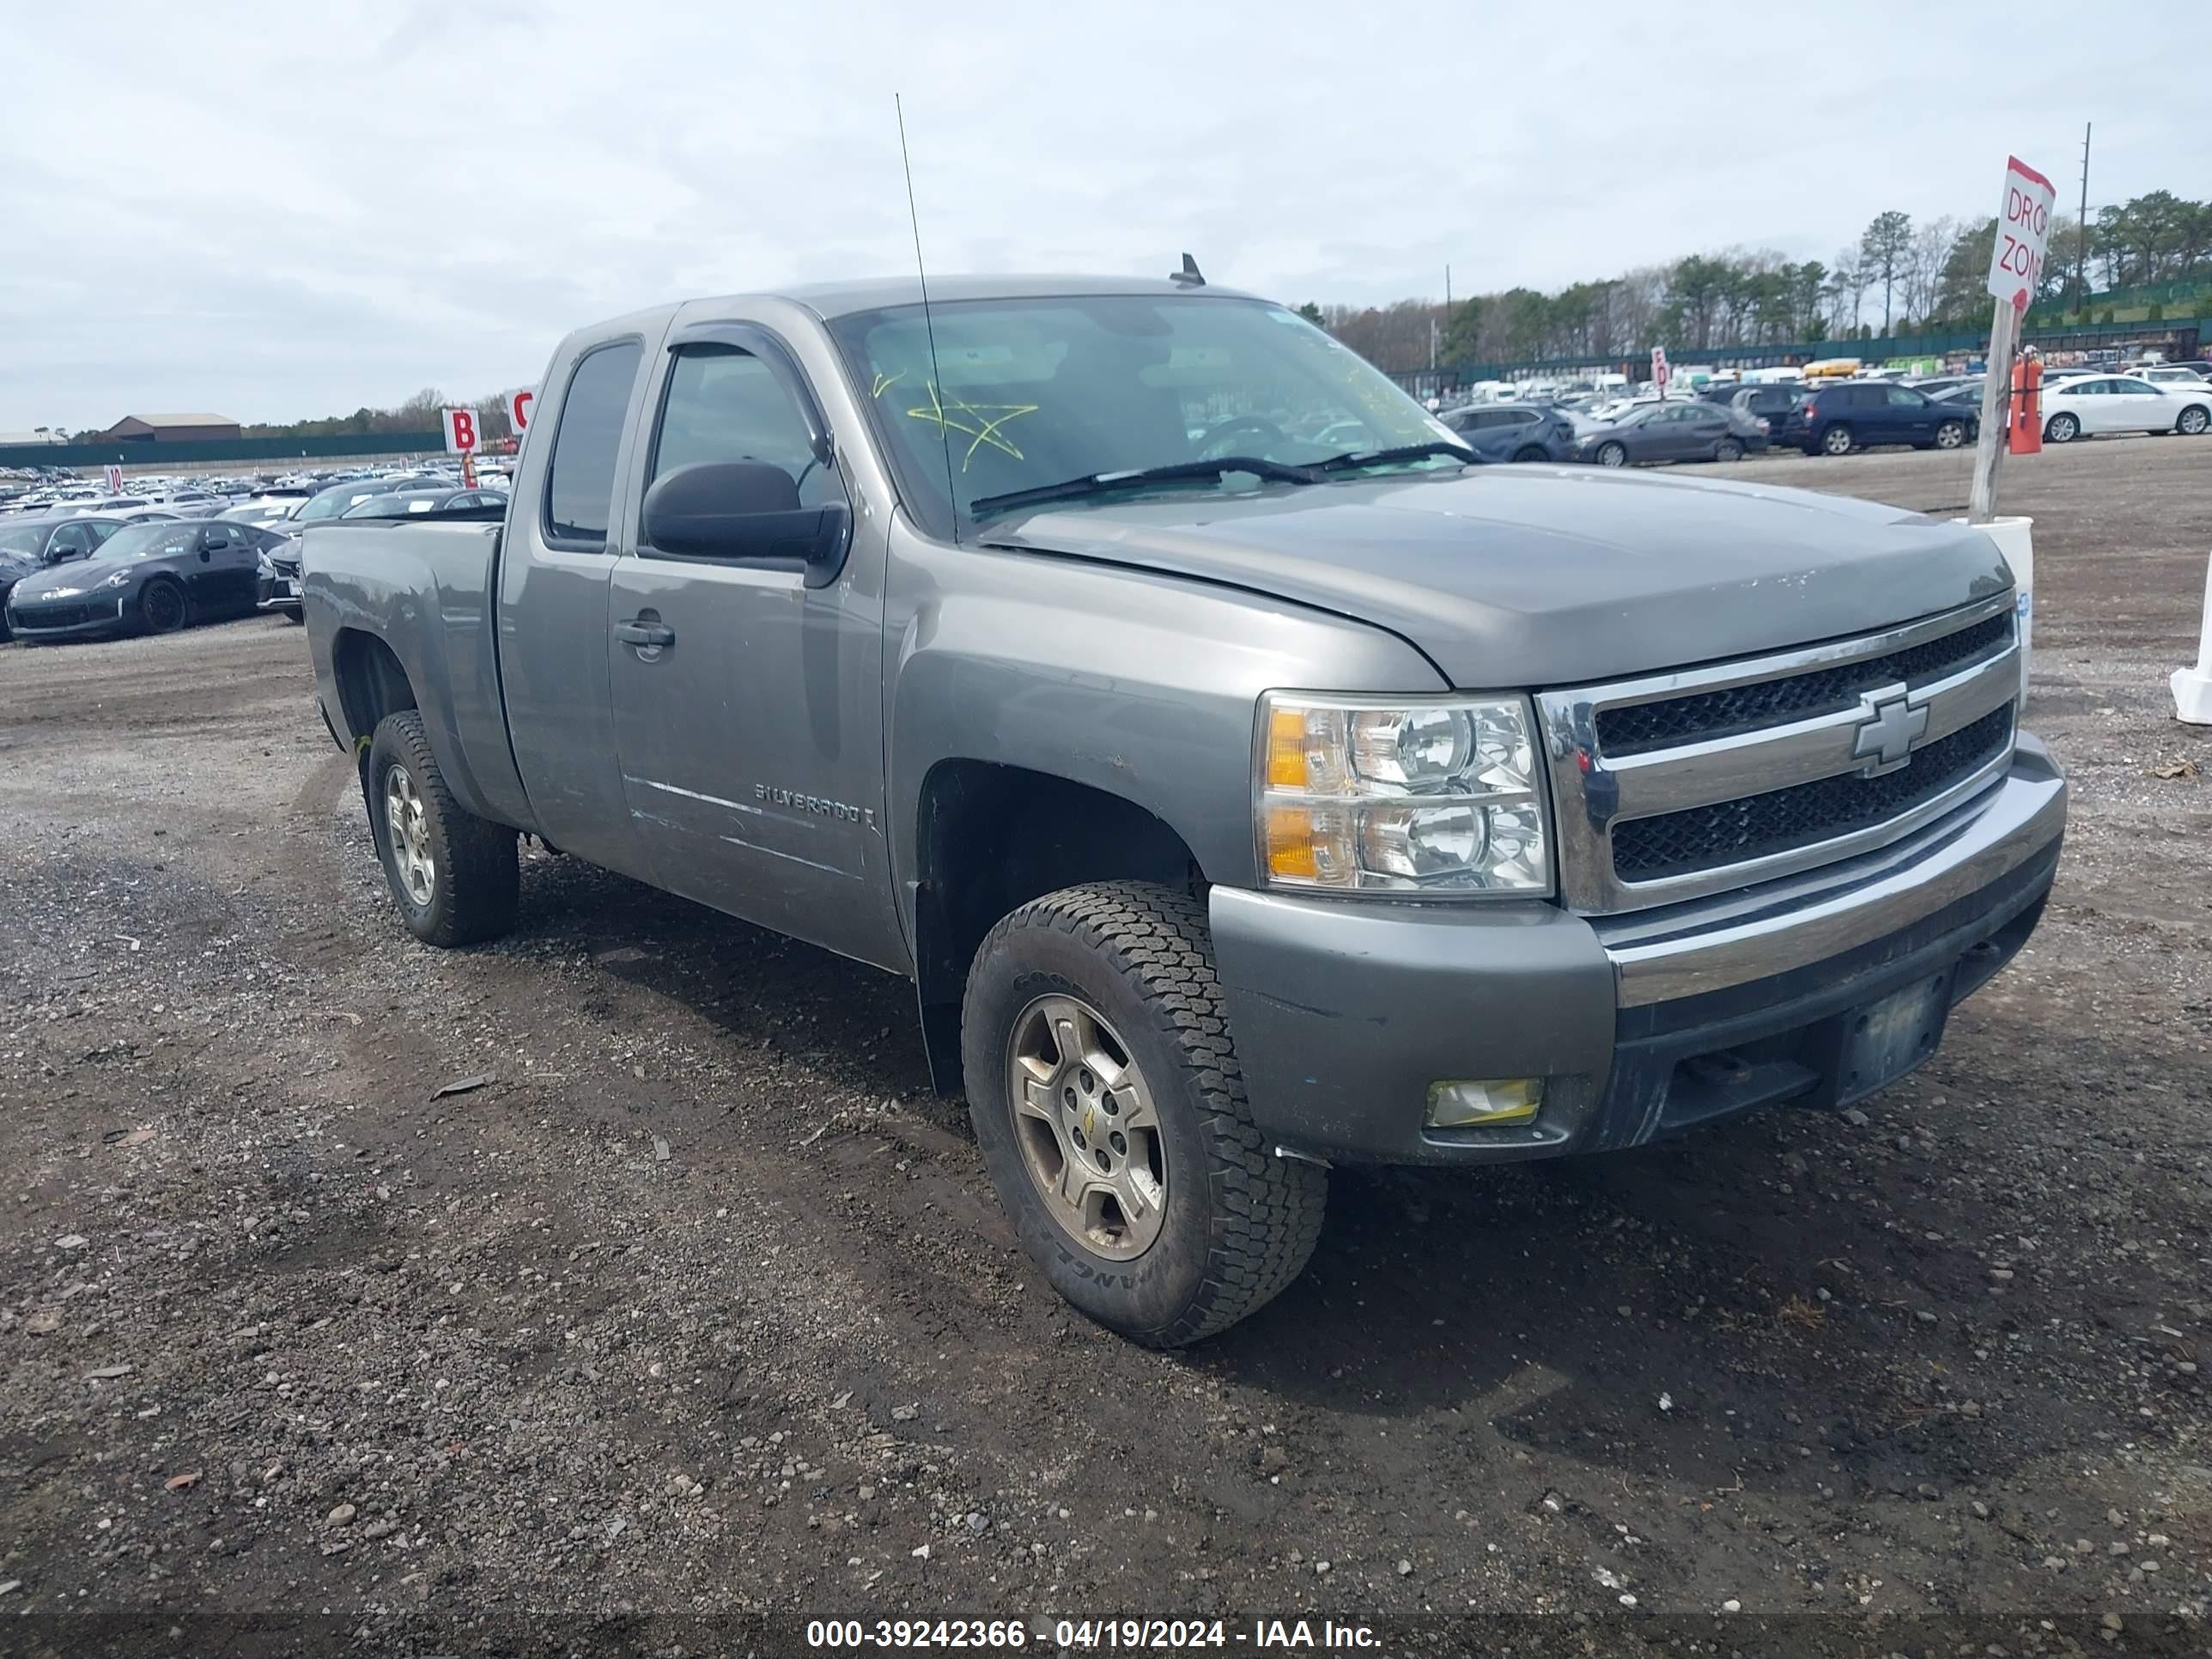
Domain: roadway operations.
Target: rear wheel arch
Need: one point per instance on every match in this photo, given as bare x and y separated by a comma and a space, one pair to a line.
988, 839
373, 682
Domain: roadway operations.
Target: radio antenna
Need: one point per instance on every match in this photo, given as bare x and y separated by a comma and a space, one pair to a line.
936, 380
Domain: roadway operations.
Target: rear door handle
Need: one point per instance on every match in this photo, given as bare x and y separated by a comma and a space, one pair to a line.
645, 633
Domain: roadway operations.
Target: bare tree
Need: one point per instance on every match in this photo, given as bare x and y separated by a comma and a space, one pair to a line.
1923, 270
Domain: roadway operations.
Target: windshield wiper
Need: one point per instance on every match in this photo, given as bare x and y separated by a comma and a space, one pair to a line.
1351, 459
1095, 483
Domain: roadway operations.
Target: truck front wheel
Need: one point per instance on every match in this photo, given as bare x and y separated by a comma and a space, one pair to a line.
1110, 1109
455, 877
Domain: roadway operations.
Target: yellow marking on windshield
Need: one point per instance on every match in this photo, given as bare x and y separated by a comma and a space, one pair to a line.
885, 382
986, 423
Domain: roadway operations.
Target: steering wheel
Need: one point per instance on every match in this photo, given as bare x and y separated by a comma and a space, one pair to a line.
1267, 429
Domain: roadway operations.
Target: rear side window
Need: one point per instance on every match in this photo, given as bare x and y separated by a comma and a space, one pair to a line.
581, 492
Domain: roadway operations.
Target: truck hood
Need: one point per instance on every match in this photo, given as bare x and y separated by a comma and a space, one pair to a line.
1530, 576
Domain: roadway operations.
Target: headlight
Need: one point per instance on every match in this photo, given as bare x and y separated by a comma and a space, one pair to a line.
265, 566
120, 579
61, 593
1435, 797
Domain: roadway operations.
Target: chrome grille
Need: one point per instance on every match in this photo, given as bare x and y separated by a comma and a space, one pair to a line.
1676, 785
1705, 715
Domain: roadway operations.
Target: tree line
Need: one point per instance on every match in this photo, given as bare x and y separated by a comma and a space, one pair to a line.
1898, 277
423, 412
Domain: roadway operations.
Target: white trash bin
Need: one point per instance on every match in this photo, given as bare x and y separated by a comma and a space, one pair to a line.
2192, 687
2016, 539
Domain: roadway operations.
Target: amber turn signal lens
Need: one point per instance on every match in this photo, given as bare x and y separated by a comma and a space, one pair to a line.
1286, 749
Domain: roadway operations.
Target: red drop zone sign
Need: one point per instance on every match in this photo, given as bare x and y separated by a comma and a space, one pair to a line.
518, 411
2023, 235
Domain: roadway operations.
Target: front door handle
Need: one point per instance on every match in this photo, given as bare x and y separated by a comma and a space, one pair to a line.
645, 633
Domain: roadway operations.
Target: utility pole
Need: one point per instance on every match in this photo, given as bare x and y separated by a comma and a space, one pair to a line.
2082, 231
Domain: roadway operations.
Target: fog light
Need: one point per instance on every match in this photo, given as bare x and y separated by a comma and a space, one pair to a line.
1482, 1101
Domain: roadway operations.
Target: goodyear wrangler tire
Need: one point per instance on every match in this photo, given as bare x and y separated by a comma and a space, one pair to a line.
456, 879
1107, 1099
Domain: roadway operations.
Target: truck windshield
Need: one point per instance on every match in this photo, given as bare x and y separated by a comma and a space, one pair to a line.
1035, 391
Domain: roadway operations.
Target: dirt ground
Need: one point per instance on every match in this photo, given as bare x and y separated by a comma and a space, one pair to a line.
698, 1319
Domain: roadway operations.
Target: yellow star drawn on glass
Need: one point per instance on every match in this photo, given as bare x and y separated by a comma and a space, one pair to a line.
885, 382
979, 422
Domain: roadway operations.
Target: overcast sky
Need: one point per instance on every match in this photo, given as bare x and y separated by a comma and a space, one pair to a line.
290, 210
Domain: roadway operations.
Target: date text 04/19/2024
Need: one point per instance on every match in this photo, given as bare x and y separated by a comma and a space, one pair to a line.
1083, 1635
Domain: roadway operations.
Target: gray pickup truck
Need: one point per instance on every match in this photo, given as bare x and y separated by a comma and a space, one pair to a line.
1248, 780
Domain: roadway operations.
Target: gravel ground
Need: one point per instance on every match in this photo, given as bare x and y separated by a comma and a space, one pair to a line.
697, 1318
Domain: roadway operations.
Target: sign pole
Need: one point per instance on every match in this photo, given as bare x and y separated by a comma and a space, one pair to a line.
1996, 407
2015, 267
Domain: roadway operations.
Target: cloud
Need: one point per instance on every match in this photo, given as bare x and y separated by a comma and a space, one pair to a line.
279, 210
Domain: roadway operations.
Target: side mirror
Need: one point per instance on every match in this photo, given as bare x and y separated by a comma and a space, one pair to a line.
746, 512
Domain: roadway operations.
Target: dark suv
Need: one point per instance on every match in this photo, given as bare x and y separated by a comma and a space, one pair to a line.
1834, 420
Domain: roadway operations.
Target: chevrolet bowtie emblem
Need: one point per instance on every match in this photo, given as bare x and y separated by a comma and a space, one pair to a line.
1889, 726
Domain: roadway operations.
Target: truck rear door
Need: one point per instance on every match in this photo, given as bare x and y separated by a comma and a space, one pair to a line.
747, 705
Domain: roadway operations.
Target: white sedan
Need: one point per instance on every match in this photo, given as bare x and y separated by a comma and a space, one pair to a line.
2098, 404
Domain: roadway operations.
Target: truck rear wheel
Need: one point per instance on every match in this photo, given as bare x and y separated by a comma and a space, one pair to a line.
1110, 1109
455, 877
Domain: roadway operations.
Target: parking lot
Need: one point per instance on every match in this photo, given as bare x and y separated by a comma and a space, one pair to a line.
696, 1311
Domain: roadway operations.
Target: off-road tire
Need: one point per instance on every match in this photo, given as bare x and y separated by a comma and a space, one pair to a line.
478, 881
1240, 1222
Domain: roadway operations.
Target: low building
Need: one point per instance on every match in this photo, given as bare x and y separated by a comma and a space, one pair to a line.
170, 429
44, 434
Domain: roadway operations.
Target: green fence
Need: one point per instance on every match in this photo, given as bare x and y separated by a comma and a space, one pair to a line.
2180, 333
195, 457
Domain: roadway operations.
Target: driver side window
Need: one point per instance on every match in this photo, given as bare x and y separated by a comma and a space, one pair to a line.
71, 541
724, 404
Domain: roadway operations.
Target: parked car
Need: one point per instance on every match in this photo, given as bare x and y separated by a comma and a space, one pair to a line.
267, 511
1773, 404
333, 500
57, 538
14, 567
1515, 432
155, 578
1966, 394
2172, 376
406, 502
2101, 405
1671, 429
1835, 420
1183, 936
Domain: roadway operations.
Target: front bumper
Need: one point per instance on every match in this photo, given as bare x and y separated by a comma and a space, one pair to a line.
277, 592
1345, 1013
88, 617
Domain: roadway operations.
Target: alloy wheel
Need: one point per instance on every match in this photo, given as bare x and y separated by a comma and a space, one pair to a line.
1087, 1127
410, 833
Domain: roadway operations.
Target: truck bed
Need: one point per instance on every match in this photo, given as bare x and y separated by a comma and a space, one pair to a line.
425, 589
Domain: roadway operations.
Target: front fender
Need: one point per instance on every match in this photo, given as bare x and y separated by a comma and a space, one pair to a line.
1142, 685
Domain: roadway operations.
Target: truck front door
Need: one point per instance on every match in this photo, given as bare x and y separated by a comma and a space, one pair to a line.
748, 706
